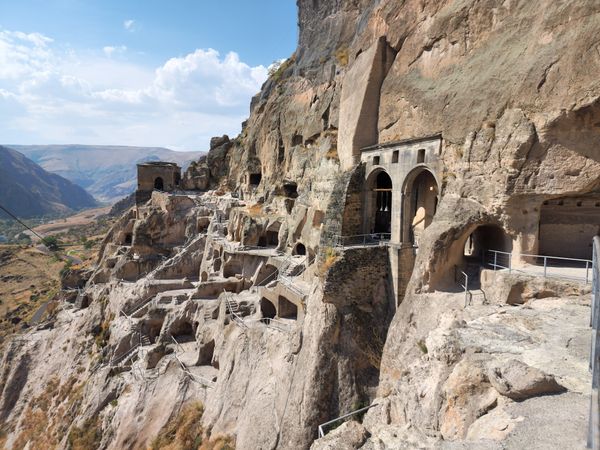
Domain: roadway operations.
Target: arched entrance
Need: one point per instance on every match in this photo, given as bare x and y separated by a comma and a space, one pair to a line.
159, 184
483, 239
420, 203
379, 203
267, 310
299, 249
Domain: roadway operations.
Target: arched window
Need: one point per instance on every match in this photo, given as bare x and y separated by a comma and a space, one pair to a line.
300, 249
420, 204
383, 203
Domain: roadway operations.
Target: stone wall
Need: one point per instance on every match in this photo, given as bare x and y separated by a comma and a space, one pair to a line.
360, 276
344, 213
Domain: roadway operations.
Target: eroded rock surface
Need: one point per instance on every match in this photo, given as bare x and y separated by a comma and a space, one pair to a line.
248, 290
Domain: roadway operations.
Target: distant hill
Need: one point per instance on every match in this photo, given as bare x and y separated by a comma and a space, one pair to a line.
27, 190
106, 172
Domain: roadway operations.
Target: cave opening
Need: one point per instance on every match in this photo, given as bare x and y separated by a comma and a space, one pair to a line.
255, 179
267, 310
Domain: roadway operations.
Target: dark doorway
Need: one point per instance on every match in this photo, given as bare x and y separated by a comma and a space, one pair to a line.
159, 184
255, 179
267, 310
383, 203
484, 238
300, 249
287, 309
290, 190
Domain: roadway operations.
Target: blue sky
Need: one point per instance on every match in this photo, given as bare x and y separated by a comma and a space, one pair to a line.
135, 72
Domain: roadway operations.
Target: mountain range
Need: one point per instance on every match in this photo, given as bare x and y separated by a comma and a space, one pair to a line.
27, 190
106, 172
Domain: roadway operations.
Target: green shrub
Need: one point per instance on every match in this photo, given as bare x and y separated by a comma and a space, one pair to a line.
51, 242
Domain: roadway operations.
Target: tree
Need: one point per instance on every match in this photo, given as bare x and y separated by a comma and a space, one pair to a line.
51, 242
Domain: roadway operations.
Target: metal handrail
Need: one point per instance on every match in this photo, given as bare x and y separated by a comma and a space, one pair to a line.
497, 264
236, 318
321, 427
465, 284
593, 439
115, 361
370, 239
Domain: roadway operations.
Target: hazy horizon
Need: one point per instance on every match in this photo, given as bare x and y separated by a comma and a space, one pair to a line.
139, 74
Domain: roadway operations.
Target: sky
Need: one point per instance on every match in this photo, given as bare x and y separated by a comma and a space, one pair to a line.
136, 72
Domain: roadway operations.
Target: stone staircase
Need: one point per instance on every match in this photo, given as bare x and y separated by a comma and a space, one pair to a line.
145, 340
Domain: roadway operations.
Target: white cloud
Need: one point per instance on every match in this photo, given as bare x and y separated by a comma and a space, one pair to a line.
109, 50
48, 95
130, 25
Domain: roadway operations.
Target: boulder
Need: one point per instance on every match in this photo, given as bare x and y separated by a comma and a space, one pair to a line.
348, 436
519, 381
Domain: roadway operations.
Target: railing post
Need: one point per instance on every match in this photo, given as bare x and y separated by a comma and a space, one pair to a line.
466, 290
545, 265
586, 272
495, 260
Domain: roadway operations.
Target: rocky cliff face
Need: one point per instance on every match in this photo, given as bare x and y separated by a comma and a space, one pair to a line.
253, 297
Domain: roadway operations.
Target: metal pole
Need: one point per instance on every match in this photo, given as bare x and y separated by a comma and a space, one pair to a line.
466, 289
545, 266
586, 273
495, 260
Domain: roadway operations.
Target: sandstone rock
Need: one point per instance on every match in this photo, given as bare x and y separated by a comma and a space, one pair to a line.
518, 381
468, 396
348, 436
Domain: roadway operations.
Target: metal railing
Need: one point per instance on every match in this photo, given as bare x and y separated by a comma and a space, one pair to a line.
323, 425
193, 377
593, 440
288, 280
547, 266
462, 279
233, 310
364, 240
117, 361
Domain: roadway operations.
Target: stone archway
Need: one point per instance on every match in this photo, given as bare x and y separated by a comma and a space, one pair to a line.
420, 199
378, 209
159, 184
485, 238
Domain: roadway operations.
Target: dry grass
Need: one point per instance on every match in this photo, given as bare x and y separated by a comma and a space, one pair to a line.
86, 437
218, 443
332, 153
341, 55
101, 338
81, 218
255, 210
28, 278
49, 415
331, 257
373, 349
185, 432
